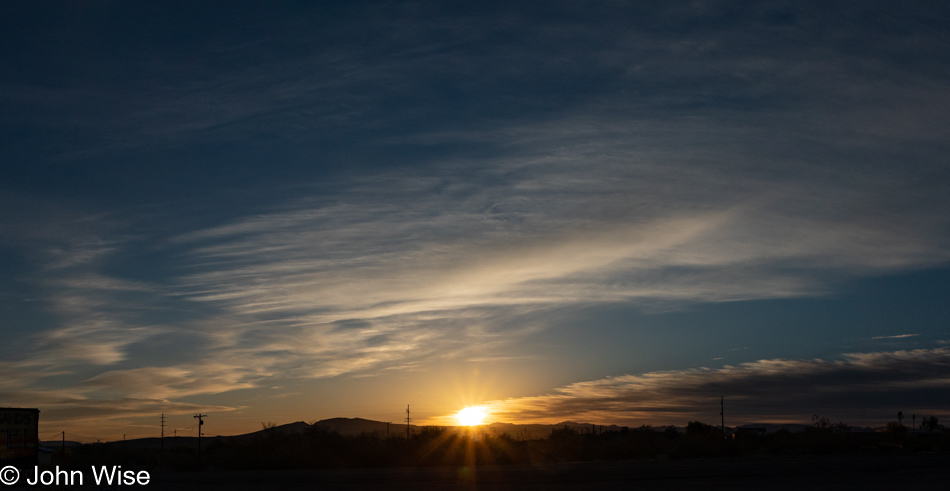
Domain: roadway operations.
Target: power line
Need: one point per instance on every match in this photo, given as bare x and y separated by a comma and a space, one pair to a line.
80, 437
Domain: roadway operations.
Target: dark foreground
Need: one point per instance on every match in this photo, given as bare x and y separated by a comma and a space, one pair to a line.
813, 473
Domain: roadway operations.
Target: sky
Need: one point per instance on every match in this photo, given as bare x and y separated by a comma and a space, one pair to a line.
602, 212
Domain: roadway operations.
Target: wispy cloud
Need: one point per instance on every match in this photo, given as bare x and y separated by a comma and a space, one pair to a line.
559, 226
99, 413
403, 268
896, 336
861, 388
172, 382
449, 195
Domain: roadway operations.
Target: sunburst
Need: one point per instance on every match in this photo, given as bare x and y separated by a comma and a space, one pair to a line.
472, 415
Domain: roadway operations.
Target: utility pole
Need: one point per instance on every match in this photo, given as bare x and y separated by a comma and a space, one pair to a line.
200, 424
408, 419
722, 415
163, 433
64, 444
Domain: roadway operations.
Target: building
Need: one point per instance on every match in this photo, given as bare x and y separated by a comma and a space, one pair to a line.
19, 436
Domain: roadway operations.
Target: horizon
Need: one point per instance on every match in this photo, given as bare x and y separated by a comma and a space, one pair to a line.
575, 425
610, 213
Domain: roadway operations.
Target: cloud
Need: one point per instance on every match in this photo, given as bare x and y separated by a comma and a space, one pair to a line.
173, 382
576, 212
896, 336
555, 227
103, 417
56, 237
99, 413
860, 388
100, 318
469, 187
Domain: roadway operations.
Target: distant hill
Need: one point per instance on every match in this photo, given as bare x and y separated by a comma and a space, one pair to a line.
347, 427
543, 430
360, 426
287, 429
769, 428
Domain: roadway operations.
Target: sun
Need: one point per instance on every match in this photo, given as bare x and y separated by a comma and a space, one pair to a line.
472, 416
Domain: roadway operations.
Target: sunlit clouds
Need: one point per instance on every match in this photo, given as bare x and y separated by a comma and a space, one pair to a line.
406, 268
282, 209
862, 388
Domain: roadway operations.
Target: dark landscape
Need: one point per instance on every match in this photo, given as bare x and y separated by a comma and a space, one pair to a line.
356, 453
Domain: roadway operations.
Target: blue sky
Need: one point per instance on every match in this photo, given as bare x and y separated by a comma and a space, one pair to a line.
563, 211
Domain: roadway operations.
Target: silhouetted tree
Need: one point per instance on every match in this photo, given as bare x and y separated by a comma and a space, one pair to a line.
930, 424
670, 433
895, 433
900, 418
821, 423
698, 428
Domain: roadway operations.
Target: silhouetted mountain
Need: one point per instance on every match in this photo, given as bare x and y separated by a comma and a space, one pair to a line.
357, 426
769, 428
287, 429
59, 443
360, 426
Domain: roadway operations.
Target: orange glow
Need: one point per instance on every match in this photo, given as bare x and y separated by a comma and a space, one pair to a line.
472, 416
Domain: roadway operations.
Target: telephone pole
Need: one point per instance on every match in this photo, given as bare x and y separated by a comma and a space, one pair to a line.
200, 424
408, 419
163, 433
722, 415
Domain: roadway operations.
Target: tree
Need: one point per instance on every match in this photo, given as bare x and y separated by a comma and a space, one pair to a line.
930, 424
825, 424
698, 428
900, 418
269, 428
896, 428
821, 423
